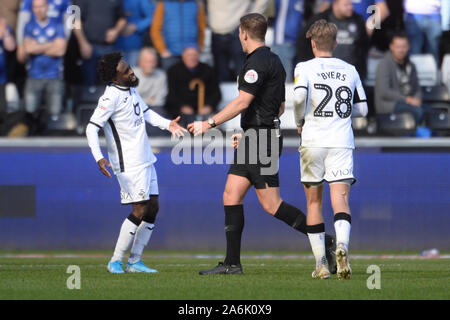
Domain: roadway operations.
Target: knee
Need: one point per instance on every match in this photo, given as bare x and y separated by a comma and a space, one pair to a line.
151, 212
229, 198
271, 207
139, 212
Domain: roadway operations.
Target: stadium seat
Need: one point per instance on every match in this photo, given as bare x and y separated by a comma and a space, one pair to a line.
439, 121
446, 72
437, 93
427, 70
62, 124
402, 124
83, 114
87, 94
372, 65
12, 97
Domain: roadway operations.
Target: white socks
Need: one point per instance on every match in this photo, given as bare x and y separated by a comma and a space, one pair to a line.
342, 228
126, 237
317, 241
141, 239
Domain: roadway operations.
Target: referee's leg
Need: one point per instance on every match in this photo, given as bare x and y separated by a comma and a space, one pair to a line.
274, 205
236, 188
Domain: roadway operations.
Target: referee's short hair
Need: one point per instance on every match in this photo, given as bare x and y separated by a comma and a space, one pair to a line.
324, 34
256, 26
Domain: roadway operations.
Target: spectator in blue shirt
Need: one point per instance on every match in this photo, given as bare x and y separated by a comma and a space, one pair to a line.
7, 43
287, 26
43, 48
57, 9
139, 15
361, 7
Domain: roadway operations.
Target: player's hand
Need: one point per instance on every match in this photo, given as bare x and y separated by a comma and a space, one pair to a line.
102, 164
299, 130
176, 129
198, 127
235, 138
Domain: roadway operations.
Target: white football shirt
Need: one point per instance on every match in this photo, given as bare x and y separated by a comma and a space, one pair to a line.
333, 94
122, 113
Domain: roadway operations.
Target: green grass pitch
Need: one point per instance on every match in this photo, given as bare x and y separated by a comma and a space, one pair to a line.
281, 277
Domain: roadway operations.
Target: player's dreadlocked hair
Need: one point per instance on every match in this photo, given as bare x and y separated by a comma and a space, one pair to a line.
107, 66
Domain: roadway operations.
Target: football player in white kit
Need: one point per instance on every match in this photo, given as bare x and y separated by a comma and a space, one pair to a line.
328, 93
122, 114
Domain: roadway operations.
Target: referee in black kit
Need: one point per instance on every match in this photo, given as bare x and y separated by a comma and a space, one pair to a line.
261, 103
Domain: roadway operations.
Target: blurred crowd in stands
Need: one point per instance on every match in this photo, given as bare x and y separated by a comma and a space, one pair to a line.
184, 50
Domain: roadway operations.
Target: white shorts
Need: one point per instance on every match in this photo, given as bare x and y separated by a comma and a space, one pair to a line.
137, 185
326, 164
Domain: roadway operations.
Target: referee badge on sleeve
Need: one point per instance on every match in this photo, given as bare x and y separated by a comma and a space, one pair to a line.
251, 76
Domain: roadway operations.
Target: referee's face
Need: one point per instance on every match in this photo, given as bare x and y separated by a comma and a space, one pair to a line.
243, 39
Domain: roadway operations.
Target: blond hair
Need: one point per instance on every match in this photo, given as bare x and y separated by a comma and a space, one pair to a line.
324, 35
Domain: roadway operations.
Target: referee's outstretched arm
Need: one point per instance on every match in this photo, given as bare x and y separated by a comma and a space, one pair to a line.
231, 110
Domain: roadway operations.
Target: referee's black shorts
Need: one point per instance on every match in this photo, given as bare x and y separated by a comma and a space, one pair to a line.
257, 147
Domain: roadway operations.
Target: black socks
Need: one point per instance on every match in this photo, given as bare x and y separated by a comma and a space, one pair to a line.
292, 216
234, 224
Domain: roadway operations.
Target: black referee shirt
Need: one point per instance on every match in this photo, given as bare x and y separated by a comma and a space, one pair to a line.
263, 76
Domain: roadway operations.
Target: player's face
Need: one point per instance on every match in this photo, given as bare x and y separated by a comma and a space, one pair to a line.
126, 76
399, 48
40, 9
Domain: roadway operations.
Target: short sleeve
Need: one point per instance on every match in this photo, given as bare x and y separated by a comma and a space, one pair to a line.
252, 78
300, 77
60, 31
104, 111
28, 32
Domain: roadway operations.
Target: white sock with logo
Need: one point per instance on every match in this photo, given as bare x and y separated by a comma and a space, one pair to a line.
143, 234
317, 241
342, 228
125, 240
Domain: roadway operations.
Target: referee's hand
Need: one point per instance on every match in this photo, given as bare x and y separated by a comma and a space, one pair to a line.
235, 138
102, 164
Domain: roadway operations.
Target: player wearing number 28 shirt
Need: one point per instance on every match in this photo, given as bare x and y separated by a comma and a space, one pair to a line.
328, 93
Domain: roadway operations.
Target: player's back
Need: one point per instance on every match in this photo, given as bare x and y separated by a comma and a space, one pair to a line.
332, 87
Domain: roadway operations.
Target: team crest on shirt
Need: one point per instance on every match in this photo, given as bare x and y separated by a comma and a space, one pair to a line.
50, 32
251, 76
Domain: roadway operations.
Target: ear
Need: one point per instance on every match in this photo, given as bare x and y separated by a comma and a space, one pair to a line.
313, 44
335, 45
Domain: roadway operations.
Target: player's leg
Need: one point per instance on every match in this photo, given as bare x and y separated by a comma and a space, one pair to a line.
339, 164
339, 193
126, 238
148, 189
316, 229
236, 188
143, 235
